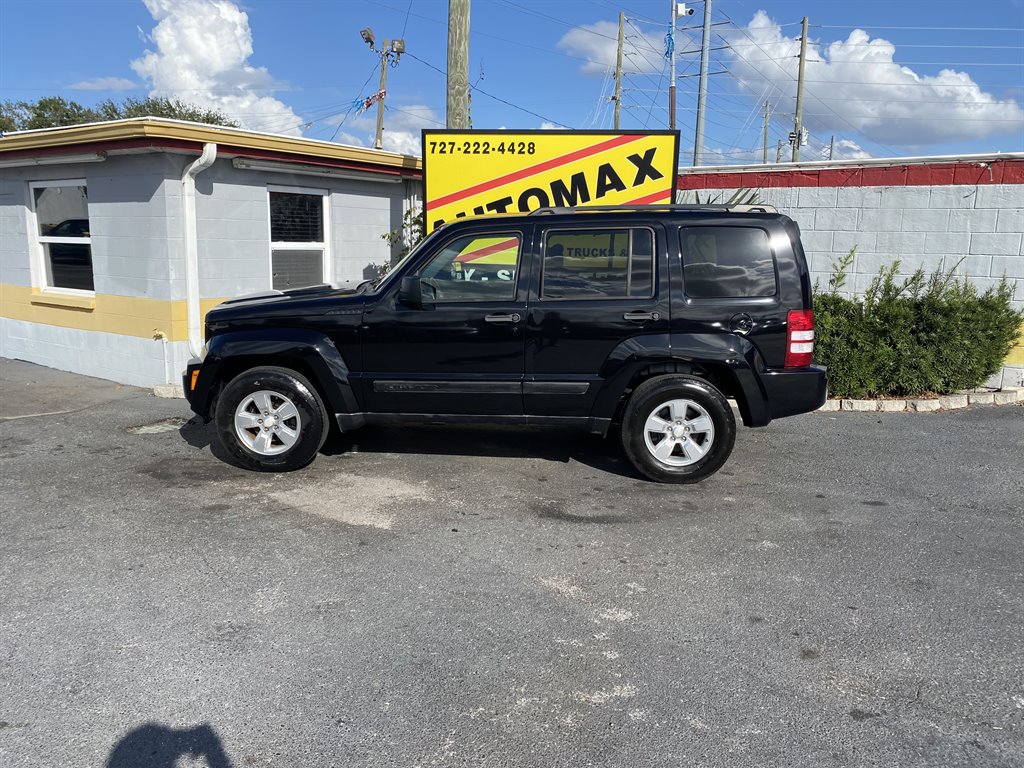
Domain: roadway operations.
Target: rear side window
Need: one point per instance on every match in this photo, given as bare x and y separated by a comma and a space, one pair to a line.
727, 262
598, 264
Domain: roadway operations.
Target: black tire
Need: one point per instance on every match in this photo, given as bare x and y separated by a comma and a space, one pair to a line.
297, 432
698, 425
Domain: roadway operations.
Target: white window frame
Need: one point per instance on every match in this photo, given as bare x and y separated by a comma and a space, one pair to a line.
327, 265
37, 259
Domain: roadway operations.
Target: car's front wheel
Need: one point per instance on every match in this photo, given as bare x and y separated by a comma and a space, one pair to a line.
678, 429
271, 419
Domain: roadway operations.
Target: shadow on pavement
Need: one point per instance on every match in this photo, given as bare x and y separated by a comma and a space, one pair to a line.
157, 746
499, 442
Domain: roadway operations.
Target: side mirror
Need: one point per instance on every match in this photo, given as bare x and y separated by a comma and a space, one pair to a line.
410, 292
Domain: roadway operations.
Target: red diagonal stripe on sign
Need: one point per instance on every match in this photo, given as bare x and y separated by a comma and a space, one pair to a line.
547, 165
654, 197
487, 250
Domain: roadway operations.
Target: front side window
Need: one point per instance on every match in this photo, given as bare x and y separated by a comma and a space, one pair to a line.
598, 264
473, 268
727, 262
61, 210
298, 249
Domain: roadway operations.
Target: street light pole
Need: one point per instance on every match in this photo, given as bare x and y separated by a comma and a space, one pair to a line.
392, 48
378, 141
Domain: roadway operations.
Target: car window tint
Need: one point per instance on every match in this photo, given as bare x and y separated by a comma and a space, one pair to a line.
597, 263
473, 268
727, 262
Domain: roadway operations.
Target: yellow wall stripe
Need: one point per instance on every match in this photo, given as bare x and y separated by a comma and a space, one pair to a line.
140, 317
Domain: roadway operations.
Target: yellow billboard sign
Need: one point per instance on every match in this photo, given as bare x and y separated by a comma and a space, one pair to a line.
474, 173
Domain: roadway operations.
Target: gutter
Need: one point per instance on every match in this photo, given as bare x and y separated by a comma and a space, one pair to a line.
188, 191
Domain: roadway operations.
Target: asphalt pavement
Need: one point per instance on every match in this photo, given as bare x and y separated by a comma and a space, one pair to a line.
847, 591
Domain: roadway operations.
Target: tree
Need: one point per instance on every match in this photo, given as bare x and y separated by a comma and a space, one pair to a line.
156, 106
56, 111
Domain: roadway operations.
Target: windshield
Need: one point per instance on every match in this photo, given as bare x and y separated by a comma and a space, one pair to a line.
384, 281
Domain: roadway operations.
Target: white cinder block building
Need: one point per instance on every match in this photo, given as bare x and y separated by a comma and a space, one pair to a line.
924, 212
116, 238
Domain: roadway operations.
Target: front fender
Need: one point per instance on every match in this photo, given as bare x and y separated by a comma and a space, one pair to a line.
285, 347
687, 353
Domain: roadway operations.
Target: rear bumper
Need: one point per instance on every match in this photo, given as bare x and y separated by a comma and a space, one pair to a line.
795, 391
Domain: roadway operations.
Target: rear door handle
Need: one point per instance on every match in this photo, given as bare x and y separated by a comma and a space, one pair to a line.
641, 316
503, 318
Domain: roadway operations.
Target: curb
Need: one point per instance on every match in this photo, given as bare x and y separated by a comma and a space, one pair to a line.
1004, 396
174, 391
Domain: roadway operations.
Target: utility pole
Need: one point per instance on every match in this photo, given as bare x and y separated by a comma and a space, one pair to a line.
778, 151
702, 91
377, 142
672, 70
767, 116
831, 146
618, 70
457, 112
392, 48
798, 122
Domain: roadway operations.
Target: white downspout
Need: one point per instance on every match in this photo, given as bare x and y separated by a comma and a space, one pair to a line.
188, 193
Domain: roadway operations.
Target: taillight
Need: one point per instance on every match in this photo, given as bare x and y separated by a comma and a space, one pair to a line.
799, 338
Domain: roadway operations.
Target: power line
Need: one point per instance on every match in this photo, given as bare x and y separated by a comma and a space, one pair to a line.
406, 23
919, 29
389, 108
479, 90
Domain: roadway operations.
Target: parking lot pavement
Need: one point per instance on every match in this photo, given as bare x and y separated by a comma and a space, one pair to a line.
847, 591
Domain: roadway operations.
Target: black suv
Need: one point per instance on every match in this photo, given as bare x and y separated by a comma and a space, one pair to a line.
647, 318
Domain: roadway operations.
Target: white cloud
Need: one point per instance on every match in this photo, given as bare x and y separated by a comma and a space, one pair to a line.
201, 57
856, 84
104, 84
547, 126
643, 53
845, 149
402, 126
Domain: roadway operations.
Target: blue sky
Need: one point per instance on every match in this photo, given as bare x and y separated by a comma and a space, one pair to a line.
902, 77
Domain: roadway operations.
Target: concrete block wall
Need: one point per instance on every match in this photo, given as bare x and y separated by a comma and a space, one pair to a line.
978, 228
233, 221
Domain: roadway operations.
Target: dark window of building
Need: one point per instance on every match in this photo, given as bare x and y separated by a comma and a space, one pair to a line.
62, 218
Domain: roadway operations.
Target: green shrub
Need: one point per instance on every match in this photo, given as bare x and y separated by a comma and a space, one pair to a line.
914, 336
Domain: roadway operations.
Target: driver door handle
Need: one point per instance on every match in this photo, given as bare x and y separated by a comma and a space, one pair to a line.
641, 316
503, 318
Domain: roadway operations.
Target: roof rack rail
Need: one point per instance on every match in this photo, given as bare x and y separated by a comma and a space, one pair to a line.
745, 208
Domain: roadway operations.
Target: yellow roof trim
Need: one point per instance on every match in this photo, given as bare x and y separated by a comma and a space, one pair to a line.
180, 130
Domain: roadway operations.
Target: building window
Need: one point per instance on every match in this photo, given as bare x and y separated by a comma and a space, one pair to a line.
298, 246
727, 262
61, 213
598, 264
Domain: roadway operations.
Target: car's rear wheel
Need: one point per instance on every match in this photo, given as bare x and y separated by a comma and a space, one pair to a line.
678, 429
271, 419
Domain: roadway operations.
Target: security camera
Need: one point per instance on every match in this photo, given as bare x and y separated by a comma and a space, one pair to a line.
682, 10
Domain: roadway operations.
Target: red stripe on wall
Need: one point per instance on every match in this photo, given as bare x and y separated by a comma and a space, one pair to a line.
936, 174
